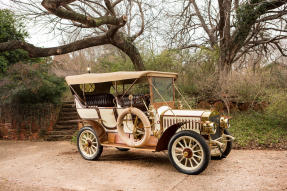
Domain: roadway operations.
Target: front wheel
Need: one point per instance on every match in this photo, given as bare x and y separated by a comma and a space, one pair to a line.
188, 152
88, 144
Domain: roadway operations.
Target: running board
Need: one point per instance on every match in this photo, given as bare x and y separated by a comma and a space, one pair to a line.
144, 148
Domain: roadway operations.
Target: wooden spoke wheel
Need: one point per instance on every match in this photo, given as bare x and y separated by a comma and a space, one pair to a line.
188, 152
88, 144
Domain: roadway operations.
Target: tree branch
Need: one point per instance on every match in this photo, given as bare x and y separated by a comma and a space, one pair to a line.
53, 6
116, 2
142, 23
272, 17
248, 17
44, 52
203, 24
110, 7
112, 31
189, 46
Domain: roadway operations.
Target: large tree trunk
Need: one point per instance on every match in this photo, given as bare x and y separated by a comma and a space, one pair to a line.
127, 46
224, 68
225, 60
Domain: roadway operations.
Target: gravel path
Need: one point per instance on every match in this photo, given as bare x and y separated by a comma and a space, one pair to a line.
58, 166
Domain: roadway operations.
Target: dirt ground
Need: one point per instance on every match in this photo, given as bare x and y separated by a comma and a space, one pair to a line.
58, 166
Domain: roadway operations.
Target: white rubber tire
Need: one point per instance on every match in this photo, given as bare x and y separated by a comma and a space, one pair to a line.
147, 127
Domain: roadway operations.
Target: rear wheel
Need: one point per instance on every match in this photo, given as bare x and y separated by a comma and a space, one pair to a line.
88, 144
188, 152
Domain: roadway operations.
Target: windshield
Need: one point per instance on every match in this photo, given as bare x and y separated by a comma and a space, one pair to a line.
164, 87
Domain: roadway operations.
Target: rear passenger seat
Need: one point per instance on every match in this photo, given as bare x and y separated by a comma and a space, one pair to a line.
100, 100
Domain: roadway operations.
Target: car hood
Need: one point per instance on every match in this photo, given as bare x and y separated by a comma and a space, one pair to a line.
167, 111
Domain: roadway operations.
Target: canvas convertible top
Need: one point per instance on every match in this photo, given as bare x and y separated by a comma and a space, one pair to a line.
114, 76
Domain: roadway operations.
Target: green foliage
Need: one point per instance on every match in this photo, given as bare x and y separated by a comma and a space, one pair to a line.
246, 16
199, 77
11, 28
262, 128
166, 61
257, 129
246, 87
112, 63
31, 83
74, 137
24, 80
277, 109
275, 77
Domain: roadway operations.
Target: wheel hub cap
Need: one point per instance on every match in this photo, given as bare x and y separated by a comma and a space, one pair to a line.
187, 153
89, 144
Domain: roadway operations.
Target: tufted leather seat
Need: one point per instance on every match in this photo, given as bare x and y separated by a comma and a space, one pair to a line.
136, 102
100, 100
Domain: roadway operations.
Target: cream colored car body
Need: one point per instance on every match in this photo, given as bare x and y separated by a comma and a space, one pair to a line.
164, 125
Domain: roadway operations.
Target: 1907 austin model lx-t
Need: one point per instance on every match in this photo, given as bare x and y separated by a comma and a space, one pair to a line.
138, 110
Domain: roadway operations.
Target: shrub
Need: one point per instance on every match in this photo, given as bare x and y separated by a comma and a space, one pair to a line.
31, 83
11, 28
199, 76
244, 87
257, 129
277, 109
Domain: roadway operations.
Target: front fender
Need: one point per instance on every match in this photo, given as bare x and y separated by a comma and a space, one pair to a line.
163, 141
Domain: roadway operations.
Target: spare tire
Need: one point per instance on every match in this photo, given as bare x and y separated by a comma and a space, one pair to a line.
145, 122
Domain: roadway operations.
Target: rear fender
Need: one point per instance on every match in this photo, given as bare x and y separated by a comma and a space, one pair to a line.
100, 130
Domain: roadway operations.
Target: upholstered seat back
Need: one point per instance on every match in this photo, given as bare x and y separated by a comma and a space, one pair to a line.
137, 101
100, 100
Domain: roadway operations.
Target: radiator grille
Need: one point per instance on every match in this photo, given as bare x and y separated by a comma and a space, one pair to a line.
191, 123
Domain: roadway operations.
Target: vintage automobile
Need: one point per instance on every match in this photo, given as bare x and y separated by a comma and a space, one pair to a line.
139, 110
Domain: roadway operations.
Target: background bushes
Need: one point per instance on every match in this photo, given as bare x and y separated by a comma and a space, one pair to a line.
31, 83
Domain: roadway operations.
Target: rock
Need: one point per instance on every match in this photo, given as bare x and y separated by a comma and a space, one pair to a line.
244, 106
203, 105
218, 106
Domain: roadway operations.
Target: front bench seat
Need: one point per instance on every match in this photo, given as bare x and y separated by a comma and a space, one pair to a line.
138, 101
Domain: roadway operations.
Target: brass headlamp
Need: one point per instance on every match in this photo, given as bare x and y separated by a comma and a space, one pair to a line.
208, 127
224, 122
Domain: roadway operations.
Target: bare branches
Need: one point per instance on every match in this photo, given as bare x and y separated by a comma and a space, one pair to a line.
203, 24
234, 28
116, 2
142, 22
189, 46
110, 7
85, 23
54, 6
272, 17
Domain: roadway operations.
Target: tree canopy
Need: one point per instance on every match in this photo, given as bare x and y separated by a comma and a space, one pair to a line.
233, 28
89, 24
11, 29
